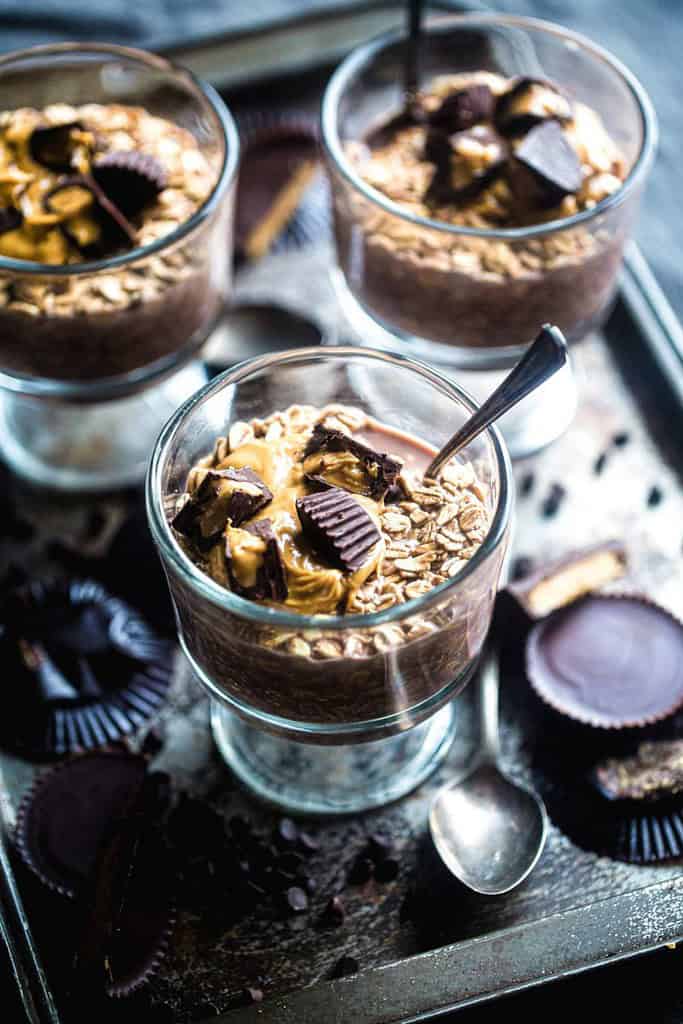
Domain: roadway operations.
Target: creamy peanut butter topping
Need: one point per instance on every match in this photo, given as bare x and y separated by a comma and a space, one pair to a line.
274, 450
60, 221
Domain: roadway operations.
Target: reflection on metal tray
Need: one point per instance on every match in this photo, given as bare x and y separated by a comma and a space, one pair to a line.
577, 909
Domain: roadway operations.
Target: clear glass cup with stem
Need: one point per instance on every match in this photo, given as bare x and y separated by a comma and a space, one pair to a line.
95, 356
469, 298
337, 733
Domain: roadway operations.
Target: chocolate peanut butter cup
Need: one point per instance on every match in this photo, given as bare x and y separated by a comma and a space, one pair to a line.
338, 527
608, 662
82, 668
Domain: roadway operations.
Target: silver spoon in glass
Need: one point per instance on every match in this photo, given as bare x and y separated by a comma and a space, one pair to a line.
488, 830
543, 358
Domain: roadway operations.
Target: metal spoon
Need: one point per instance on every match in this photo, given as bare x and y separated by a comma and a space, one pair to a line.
488, 830
543, 358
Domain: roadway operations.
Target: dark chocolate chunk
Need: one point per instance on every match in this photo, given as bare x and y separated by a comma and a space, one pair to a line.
224, 494
338, 527
621, 439
527, 484
568, 578
463, 109
361, 871
654, 772
551, 504
608, 661
379, 847
10, 219
522, 567
344, 967
129, 179
438, 150
333, 914
382, 468
53, 146
529, 102
545, 167
387, 870
271, 583
654, 497
600, 463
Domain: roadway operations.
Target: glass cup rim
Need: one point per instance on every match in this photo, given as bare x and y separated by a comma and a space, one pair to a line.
264, 615
226, 174
363, 55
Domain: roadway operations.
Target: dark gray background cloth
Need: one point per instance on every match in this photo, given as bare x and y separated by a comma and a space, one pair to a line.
647, 35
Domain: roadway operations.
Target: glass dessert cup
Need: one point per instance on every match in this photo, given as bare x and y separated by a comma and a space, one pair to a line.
84, 392
342, 733
404, 280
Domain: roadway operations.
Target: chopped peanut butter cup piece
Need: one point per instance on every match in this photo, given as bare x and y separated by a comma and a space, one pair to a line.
529, 102
67, 200
224, 494
545, 167
382, 469
53, 145
253, 562
130, 179
460, 110
338, 527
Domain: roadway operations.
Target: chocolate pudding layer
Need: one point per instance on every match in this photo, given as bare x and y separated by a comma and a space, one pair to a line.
82, 184
479, 151
326, 512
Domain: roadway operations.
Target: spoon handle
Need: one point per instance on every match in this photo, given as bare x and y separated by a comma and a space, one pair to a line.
489, 740
546, 356
412, 71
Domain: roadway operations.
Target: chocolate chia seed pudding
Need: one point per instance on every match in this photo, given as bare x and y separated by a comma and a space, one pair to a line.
83, 184
325, 511
481, 151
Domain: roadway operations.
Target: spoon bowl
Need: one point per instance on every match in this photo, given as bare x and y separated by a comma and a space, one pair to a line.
488, 830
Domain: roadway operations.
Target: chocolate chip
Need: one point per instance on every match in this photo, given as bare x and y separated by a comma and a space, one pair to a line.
551, 505
10, 219
528, 103
224, 494
153, 742
463, 109
344, 967
378, 847
129, 179
338, 527
271, 582
52, 145
621, 439
361, 870
545, 167
600, 463
527, 484
521, 567
387, 870
297, 899
654, 497
382, 468
333, 914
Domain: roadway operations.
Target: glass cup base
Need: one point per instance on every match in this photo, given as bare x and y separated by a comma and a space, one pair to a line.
90, 446
536, 422
307, 778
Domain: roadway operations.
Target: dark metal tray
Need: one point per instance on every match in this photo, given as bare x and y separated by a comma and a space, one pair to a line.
577, 910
